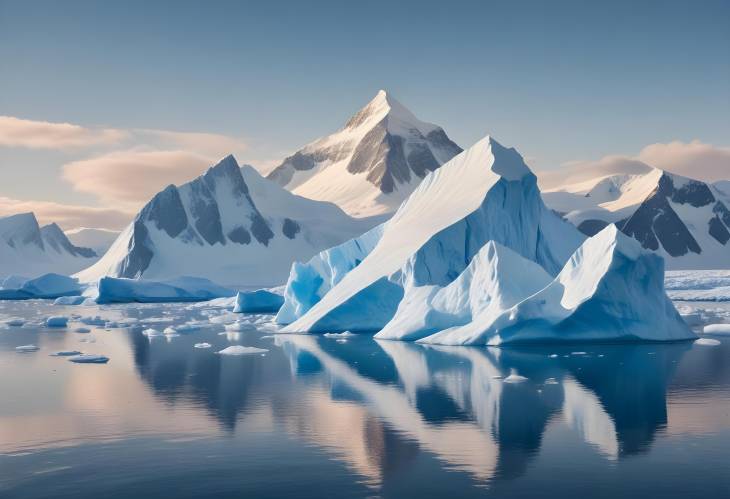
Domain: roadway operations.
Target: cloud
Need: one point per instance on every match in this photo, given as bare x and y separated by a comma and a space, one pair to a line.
694, 159
207, 144
133, 177
68, 216
16, 132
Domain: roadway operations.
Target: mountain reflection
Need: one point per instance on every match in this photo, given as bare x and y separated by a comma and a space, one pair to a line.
378, 405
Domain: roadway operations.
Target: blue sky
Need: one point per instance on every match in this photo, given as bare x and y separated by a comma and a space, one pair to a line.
559, 80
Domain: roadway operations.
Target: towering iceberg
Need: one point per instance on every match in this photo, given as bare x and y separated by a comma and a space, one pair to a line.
485, 193
611, 289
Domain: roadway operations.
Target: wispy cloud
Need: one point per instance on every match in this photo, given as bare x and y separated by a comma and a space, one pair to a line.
17, 132
67, 215
133, 177
690, 159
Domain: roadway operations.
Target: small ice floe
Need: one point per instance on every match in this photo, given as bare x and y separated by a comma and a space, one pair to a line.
190, 326
89, 359
87, 340
151, 333
716, 329
578, 353
497, 376
57, 321
514, 378
237, 326
26, 348
551, 381
345, 334
553, 356
202, 345
14, 322
82, 330
93, 321
241, 350
342, 340
708, 342
69, 300
170, 331
66, 353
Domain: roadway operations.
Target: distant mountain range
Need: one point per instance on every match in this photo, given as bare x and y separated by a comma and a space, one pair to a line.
230, 225
30, 250
372, 164
684, 220
98, 240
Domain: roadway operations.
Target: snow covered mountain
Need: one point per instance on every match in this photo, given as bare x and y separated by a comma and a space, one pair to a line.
97, 239
30, 250
486, 193
684, 220
372, 164
230, 225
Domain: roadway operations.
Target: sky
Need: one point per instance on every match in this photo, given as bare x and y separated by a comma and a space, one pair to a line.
104, 103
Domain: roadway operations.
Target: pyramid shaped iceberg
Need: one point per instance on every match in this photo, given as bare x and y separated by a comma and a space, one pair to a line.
487, 193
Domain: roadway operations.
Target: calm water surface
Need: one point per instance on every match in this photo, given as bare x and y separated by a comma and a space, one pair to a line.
318, 417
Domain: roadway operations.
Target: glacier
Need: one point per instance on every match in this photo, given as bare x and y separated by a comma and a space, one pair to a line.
485, 193
123, 290
611, 289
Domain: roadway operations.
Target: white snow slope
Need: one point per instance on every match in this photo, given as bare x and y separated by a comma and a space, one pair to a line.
229, 225
485, 193
372, 164
684, 220
29, 250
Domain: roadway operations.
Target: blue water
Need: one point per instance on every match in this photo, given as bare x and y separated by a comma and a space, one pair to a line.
318, 417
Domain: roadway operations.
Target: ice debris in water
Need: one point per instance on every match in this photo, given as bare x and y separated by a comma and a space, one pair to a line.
82, 330
345, 334
708, 342
717, 329
236, 326
89, 359
15, 322
152, 332
202, 345
170, 331
57, 321
514, 378
26, 348
65, 353
551, 381
241, 350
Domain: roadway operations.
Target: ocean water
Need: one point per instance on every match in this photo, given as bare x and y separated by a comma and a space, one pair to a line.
321, 416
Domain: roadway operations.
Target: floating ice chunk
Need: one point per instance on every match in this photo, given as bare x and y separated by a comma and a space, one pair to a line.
82, 330
709, 342
65, 353
345, 334
45, 286
89, 359
717, 329
15, 322
202, 345
241, 350
551, 381
182, 289
57, 321
237, 326
578, 353
514, 378
151, 332
92, 321
553, 356
170, 331
69, 300
26, 348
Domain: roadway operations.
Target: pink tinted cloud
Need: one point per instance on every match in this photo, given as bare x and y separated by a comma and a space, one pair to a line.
17, 132
68, 216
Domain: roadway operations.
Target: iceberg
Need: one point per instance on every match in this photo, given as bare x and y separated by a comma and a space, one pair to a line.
57, 321
89, 359
69, 300
182, 289
496, 279
485, 193
258, 302
46, 286
241, 350
611, 290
